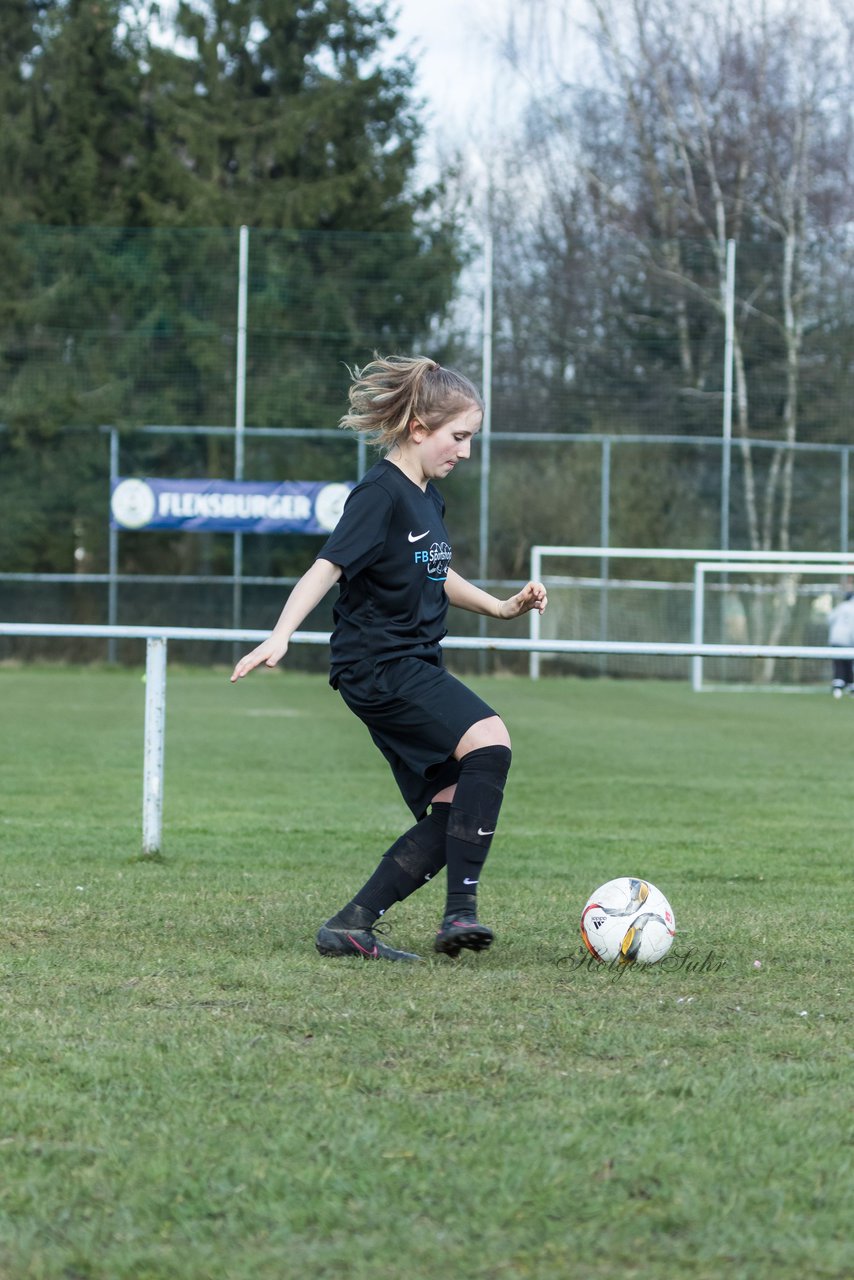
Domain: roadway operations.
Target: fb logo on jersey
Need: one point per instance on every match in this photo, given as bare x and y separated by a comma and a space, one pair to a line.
437, 561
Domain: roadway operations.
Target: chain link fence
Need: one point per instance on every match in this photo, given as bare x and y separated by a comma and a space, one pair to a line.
121, 356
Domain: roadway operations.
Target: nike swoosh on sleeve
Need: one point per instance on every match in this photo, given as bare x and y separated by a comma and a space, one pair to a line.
416, 537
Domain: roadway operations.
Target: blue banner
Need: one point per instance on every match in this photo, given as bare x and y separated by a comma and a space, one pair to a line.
228, 506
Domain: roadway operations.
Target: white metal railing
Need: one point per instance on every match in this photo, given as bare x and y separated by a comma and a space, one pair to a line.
157, 639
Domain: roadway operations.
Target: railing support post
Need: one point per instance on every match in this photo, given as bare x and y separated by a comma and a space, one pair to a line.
155, 739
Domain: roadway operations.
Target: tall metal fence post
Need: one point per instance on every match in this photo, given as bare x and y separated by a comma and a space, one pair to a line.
729, 344
240, 421
155, 738
486, 429
726, 429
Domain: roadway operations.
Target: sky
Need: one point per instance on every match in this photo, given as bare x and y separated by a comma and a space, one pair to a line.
467, 87
453, 45
474, 96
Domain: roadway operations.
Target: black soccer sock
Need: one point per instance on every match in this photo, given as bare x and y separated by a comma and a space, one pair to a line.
472, 822
413, 860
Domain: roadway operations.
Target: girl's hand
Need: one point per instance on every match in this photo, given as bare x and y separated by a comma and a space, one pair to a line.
269, 652
532, 596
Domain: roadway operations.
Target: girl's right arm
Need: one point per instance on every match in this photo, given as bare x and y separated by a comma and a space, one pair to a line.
308, 592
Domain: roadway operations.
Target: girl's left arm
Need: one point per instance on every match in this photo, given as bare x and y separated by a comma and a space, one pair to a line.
465, 595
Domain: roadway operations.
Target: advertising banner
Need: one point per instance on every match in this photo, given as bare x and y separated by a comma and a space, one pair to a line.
228, 506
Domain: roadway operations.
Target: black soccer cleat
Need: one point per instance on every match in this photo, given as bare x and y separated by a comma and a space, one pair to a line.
358, 942
461, 930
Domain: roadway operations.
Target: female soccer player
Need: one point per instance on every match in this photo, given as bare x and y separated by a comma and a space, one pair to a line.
391, 557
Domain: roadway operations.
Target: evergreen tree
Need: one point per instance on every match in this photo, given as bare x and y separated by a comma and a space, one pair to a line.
82, 117
295, 123
271, 113
19, 47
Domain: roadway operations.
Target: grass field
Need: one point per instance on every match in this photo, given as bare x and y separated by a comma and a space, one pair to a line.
187, 1090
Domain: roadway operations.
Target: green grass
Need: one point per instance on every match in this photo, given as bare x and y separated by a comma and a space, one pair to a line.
188, 1090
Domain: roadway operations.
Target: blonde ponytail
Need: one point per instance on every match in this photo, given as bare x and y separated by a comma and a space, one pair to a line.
389, 392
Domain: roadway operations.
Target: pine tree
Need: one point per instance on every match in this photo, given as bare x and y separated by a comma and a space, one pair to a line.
120, 307
296, 122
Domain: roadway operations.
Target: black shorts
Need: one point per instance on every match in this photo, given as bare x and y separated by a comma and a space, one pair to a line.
416, 713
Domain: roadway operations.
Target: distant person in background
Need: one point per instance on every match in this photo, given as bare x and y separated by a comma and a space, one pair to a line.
841, 633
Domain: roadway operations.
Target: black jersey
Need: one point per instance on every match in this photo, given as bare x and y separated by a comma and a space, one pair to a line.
394, 552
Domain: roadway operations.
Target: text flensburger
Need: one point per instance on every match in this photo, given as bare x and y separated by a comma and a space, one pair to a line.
227, 506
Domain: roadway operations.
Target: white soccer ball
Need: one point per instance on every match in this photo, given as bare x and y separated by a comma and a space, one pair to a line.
628, 921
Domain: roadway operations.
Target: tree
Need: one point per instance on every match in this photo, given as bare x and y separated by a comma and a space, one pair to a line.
281, 115
19, 45
294, 121
732, 124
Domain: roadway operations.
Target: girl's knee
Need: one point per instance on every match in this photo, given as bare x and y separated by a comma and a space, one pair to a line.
491, 732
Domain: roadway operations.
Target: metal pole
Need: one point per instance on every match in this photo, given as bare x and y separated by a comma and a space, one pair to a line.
534, 627
113, 566
729, 343
604, 541
155, 737
844, 501
240, 378
240, 418
697, 628
726, 456
486, 430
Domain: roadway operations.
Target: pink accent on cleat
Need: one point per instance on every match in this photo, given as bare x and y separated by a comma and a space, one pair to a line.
372, 955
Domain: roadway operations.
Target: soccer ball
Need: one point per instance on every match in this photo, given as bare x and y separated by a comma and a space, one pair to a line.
628, 921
